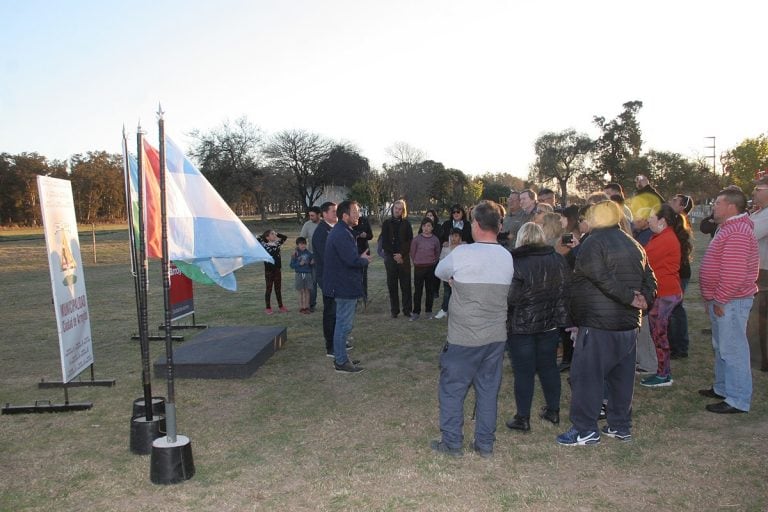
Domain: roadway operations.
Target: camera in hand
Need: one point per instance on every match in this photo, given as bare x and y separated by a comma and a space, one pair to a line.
567, 238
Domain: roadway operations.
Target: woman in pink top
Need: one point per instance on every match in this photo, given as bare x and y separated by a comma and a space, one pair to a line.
670, 244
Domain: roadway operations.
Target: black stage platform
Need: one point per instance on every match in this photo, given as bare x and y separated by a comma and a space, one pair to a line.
224, 353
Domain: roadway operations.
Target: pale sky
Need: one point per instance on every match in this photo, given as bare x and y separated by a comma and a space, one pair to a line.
472, 83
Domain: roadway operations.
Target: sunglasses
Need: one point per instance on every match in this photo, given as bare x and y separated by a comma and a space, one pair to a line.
456, 211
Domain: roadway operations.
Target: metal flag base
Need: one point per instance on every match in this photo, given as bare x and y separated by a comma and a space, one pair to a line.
46, 406
171, 463
158, 407
144, 432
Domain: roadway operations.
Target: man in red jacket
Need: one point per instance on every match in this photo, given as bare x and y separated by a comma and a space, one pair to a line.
727, 279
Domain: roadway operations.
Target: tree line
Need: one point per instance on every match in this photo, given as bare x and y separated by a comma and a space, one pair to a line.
287, 172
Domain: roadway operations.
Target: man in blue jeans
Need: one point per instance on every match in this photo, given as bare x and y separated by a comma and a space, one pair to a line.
480, 275
343, 279
727, 278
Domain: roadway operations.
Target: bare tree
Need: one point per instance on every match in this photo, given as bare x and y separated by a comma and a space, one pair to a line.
230, 157
300, 154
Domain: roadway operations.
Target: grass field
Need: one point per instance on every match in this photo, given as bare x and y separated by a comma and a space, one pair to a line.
298, 436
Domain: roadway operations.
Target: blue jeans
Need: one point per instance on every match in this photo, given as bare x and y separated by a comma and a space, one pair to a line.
531, 354
460, 368
345, 316
733, 374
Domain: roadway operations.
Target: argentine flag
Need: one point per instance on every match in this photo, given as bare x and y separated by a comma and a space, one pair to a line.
202, 229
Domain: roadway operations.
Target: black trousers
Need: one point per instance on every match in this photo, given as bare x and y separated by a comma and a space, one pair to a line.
603, 364
423, 277
329, 321
399, 275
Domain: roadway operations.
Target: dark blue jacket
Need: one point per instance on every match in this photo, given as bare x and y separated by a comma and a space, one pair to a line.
318, 250
342, 267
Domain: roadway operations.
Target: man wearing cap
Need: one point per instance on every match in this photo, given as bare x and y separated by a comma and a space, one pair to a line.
644, 187
727, 279
760, 218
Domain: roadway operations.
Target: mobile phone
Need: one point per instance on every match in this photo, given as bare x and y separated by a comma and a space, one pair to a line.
567, 238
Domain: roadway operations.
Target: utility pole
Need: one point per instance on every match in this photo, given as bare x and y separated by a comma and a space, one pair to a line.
713, 155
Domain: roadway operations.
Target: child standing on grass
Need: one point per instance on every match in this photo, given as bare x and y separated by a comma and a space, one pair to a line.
454, 240
425, 253
302, 263
271, 240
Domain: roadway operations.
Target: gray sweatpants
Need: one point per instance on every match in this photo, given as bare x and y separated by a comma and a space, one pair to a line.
460, 368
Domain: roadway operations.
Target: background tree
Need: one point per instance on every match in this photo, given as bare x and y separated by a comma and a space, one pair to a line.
746, 161
374, 192
561, 157
619, 143
672, 173
19, 202
98, 186
344, 165
299, 155
230, 157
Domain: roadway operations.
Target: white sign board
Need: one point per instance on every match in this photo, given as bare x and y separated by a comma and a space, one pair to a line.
67, 278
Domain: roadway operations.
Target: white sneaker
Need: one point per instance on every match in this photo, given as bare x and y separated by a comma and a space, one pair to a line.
440, 314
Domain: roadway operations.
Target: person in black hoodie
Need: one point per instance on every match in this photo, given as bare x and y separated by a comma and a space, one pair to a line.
537, 308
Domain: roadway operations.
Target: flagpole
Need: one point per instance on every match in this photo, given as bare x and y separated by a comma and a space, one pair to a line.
146, 375
171, 456
170, 404
147, 421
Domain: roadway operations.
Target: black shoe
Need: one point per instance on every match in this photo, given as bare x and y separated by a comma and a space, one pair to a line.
347, 367
486, 454
564, 366
441, 447
678, 355
710, 393
551, 415
521, 423
723, 408
603, 413
349, 347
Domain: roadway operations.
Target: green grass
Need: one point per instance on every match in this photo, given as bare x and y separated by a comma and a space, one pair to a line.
298, 436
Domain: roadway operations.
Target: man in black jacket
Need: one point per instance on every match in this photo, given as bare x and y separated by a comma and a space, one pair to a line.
612, 283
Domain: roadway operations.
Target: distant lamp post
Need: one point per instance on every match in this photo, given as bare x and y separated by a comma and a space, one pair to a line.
713, 156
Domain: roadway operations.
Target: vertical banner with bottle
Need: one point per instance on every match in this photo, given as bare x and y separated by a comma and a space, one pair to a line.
67, 279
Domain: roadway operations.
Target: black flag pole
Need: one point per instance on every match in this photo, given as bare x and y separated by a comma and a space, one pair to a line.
172, 455
147, 420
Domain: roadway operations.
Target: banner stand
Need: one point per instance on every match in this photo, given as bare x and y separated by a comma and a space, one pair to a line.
158, 338
108, 383
185, 326
47, 406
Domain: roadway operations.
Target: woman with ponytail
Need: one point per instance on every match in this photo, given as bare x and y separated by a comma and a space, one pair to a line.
669, 246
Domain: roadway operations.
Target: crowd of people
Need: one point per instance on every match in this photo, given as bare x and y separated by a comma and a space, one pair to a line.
600, 286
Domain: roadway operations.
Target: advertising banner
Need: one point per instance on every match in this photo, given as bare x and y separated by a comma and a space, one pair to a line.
182, 300
67, 278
